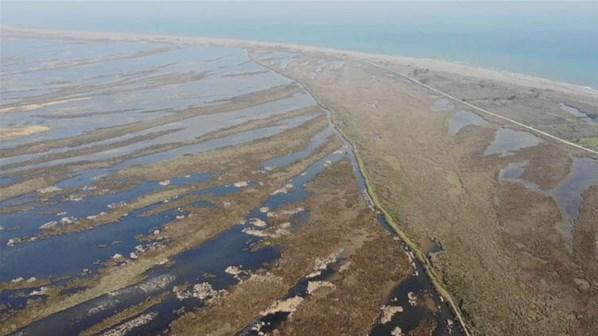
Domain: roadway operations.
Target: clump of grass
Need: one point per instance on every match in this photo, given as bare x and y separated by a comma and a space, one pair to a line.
589, 142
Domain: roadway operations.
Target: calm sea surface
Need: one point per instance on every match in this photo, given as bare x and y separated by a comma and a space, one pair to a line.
556, 40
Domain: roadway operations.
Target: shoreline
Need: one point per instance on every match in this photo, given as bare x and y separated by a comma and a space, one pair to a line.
440, 65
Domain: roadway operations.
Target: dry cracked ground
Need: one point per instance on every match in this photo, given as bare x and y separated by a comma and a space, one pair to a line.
154, 185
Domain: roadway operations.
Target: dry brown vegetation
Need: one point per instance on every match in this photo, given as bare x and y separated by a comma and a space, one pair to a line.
339, 220
504, 257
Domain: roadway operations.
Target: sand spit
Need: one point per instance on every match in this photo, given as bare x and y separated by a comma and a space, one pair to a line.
432, 64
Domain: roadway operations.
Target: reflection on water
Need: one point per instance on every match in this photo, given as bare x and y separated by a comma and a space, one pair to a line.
513, 172
85, 177
270, 321
27, 223
227, 248
507, 141
120, 83
230, 247
411, 303
183, 131
577, 113
6, 180
130, 83
441, 105
316, 141
143, 83
417, 282
70, 253
462, 119
568, 194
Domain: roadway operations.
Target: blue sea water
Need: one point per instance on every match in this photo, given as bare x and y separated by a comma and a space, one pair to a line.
555, 40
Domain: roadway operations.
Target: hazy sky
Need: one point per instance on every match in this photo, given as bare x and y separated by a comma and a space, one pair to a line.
557, 40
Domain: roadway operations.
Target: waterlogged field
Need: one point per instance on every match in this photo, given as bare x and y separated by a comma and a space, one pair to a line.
150, 187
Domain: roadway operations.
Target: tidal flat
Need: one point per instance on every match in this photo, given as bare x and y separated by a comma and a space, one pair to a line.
159, 185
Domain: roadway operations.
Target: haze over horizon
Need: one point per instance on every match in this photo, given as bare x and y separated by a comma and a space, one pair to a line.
554, 40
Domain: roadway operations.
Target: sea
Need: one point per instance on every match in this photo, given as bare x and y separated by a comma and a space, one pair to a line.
553, 40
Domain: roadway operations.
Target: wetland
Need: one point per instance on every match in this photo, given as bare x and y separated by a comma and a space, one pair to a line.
157, 185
